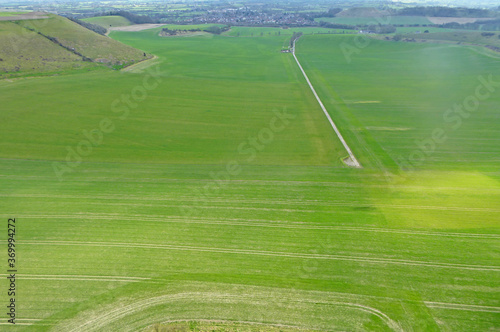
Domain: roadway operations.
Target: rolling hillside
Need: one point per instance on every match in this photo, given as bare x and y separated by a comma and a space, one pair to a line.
108, 21
57, 44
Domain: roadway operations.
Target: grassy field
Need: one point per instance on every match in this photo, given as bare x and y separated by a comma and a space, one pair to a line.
108, 21
26, 52
168, 220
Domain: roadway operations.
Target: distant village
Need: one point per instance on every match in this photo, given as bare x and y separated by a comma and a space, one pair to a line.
249, 17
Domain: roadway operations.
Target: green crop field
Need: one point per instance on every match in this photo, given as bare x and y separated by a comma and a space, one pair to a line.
204, 189
108, 21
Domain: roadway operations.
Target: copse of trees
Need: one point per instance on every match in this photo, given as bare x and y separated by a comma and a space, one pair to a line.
174, 32
216, 30
324, 24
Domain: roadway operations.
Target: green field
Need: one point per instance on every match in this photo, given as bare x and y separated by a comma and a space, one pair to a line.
196, 210
108, 21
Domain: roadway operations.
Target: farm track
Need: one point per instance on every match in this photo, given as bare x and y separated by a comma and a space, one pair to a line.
284, 224
76, 277
270, 253
465, 307
353, 161
351, 205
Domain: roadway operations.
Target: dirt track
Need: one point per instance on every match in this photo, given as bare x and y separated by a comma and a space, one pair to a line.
136, 27
351, 160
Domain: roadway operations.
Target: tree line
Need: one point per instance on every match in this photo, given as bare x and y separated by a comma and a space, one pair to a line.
295, 36
94, 27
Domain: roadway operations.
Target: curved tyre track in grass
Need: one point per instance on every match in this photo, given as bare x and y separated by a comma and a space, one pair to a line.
112, 316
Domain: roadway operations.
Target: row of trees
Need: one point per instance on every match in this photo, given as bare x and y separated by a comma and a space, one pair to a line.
174, 32
328, 25
56, 41
217, 30
94, 27
295, 36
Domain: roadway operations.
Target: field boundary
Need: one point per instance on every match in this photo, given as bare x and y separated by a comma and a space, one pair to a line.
353, 161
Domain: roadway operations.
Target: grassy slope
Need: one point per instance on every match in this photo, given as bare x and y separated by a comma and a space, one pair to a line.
24, 51
108, 21
88, 43
284, 244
